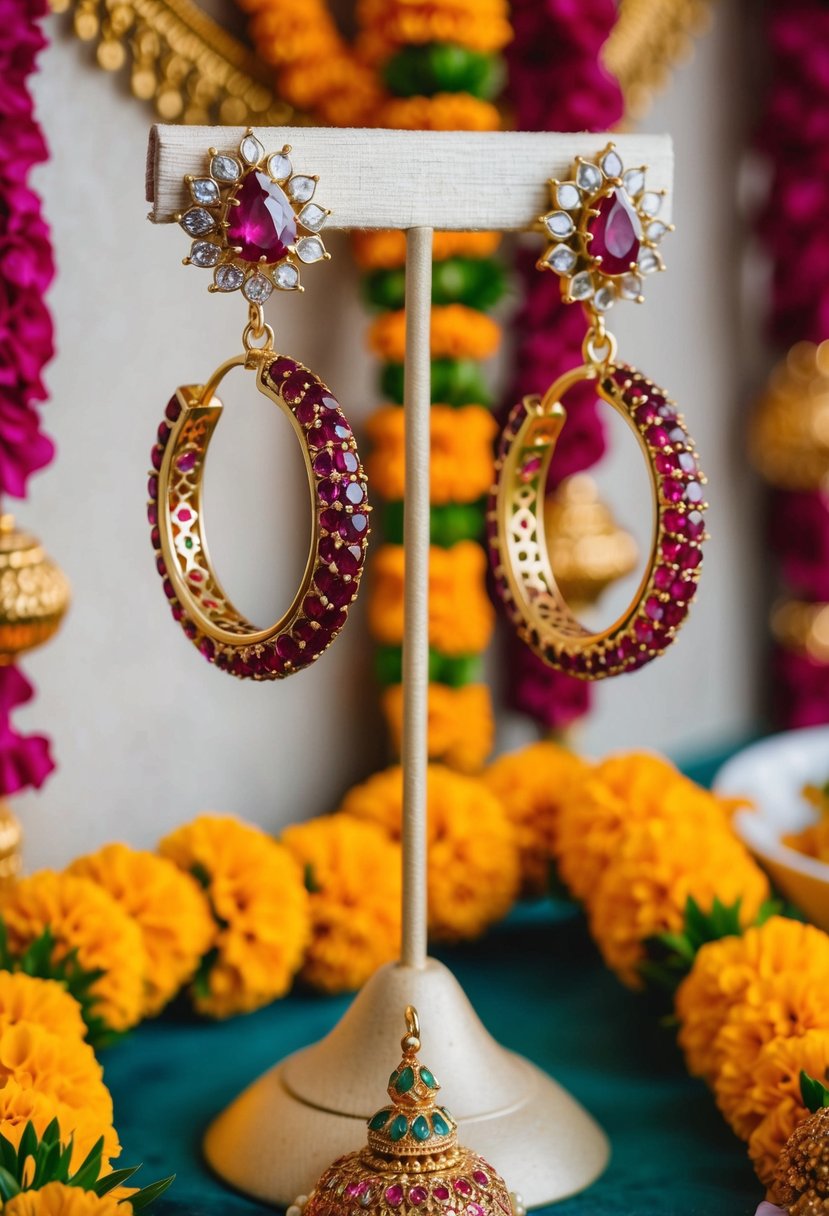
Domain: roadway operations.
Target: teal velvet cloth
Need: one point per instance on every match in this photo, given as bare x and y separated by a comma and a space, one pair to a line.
540, 988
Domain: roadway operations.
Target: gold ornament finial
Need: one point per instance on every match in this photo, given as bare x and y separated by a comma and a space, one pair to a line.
588, 549
801, 1180
789, 433
34, 593
412, 1164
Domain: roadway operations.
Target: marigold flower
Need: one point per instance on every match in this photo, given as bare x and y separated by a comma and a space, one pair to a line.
387, 250
621, 792
260, 905
769, 1137
82, 917
355, 919
657, 866
461, 725
462, 462
461, 616
787, 1006
59, 1199
23, 998
473, 860
724, 972
45, 1076
169, 907
532, 784
456, 332
387, 26
442, 112
774, 1106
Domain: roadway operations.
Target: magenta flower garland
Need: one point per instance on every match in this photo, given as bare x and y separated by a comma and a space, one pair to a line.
26, 270
556, 83
794, 136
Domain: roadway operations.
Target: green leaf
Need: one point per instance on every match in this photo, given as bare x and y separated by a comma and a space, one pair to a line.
89, 1170
117, 1178
150, 1193
28, 1148
814, 1093
9, 1186
201, 980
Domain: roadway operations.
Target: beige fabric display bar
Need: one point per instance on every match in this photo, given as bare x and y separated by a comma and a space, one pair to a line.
278, 1136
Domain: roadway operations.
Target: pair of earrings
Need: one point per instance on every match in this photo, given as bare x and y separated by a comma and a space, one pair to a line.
254, 222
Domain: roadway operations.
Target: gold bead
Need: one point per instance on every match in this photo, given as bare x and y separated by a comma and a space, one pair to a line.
34, 593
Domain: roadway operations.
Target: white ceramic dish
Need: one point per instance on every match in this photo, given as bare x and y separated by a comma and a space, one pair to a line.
771, 774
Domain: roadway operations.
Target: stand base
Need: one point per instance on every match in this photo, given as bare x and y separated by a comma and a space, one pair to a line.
278, 1136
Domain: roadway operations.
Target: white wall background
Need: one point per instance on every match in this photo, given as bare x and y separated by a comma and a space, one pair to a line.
146, 734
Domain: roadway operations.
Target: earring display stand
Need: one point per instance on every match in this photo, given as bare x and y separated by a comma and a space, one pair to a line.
276, 1138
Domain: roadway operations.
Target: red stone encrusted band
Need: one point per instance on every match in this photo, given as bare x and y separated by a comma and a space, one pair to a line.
517, 540
340, 515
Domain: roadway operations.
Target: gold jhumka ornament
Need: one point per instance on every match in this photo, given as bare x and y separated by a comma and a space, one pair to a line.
34, 596
789, 435
588, 549
801, 1181
412, 1164
34, 593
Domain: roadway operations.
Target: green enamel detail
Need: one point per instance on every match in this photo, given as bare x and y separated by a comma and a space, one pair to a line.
405, 1081
421, 1129
399, 1128
440, 1126
392, 1078
379, 1121
428, 1078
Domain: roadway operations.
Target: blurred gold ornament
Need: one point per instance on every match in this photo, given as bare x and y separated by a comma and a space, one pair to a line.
789, 434
34, 594
801, 1180
588, 549
11, 845
649, 37
412, 1162
181, 60
802, 627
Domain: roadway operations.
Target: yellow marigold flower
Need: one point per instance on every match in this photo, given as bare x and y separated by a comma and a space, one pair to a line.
23, 998
473, 860
623, 791
260, 904
790, 1005
725, 975
657, 866
456, 332
354, 873
441, 112
461, 726
58, 1199
774, 1107
462, 461
387, 250
169, 908
461, 616
532, 785
66, 1082
83, 917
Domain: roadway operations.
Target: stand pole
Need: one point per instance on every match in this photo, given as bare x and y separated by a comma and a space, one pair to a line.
414, 751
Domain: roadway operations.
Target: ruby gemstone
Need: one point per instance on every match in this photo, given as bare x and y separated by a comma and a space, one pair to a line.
338, 592
332, 429
262, 224
173, 409
616, 233
281, 367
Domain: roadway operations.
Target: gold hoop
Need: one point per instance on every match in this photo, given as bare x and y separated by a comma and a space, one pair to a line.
518, 545
340, 512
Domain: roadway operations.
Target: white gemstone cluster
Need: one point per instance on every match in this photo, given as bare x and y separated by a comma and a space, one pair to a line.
210, 221
603, 231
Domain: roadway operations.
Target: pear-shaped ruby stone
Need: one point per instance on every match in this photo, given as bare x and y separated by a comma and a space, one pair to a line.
262, 224
616, 233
